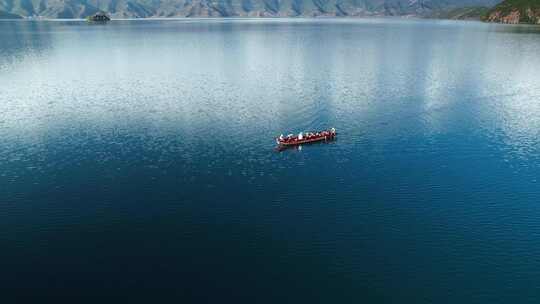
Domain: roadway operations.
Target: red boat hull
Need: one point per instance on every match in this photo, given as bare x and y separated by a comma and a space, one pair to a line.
308, 138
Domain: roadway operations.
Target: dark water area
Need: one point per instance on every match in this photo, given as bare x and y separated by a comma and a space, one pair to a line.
137, 161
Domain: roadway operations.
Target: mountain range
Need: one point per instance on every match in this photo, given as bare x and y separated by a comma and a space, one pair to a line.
235, 8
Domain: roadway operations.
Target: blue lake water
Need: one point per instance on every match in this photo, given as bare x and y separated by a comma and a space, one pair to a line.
137, 161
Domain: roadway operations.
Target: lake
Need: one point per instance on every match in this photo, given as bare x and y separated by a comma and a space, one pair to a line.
138, 162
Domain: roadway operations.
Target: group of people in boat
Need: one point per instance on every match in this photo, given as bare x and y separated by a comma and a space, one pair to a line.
307, 135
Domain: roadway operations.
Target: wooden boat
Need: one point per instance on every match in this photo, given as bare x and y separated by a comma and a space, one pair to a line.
305, 138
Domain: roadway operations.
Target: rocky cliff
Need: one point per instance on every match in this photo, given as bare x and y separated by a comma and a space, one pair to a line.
232, 8
515, 11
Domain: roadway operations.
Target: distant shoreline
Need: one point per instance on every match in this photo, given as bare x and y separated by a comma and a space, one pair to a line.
267, 18
245, 18
277, 19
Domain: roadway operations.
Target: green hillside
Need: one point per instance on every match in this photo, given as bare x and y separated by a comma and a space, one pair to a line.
463, 13
4, 15
515, 11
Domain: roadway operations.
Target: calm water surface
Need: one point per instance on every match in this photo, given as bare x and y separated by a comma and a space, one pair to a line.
137, 161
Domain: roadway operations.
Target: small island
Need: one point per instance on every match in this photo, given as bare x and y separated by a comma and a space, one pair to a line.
99, 17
